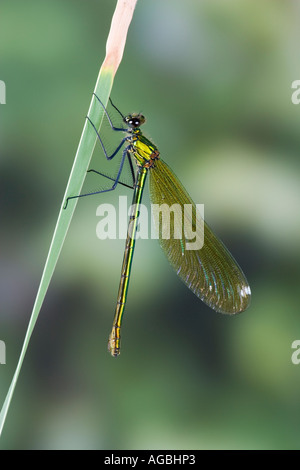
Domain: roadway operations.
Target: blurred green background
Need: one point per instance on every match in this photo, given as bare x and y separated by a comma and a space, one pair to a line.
214, 80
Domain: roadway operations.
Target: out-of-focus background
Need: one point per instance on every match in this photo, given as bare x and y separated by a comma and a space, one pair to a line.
214, 80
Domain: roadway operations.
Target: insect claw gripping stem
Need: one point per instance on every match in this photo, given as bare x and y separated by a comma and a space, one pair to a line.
109, 157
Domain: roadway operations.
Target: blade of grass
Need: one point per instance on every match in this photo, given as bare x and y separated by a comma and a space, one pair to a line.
114, 52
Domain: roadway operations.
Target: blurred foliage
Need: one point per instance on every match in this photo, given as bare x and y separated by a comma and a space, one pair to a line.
214, 80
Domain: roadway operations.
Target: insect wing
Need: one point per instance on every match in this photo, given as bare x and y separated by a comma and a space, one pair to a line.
210, 272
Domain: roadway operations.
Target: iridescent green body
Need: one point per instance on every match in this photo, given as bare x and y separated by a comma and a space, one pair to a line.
210, 272
145, 154
114, 338
144, 151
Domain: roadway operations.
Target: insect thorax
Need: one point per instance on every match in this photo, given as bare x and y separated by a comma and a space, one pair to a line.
144, 151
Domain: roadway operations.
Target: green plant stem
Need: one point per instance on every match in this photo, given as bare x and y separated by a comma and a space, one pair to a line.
114, 52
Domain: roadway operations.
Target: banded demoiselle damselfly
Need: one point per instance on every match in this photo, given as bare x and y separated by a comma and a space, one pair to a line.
210, 272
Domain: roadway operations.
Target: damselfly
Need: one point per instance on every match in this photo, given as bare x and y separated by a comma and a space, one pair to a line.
210, 272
